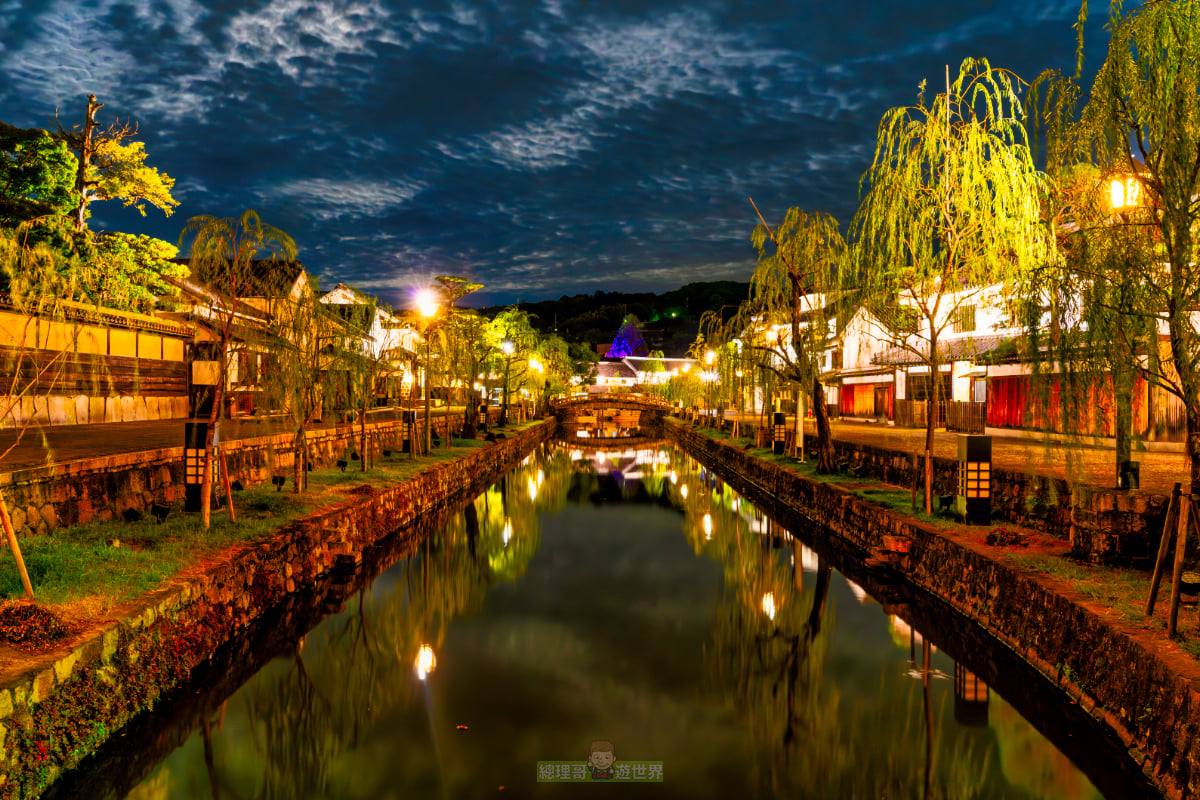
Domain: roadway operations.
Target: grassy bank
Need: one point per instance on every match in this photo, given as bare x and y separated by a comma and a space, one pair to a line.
83, 570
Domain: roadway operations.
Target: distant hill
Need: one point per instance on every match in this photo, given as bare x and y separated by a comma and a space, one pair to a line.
670, 320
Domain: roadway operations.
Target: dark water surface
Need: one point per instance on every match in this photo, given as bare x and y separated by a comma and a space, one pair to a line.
630, 598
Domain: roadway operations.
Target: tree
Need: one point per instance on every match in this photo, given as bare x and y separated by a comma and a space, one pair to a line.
794, 296
952, 212
222, 255
36, 175
37, 279
460, 360
304, 343
109, 169
1141, 125
512, 325
629, 340
129, 271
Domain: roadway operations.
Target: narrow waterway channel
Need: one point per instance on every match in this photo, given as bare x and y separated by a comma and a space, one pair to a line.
627, 598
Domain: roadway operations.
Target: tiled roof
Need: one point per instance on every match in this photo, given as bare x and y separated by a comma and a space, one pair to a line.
968, 348
615, 369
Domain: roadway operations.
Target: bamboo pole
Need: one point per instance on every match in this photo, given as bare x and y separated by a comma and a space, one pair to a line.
1164, 544
16, 548
1185, 505
228, 485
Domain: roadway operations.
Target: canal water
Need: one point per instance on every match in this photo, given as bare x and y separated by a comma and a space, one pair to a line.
622, 612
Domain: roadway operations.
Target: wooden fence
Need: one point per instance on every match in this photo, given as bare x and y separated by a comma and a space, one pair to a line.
968, 417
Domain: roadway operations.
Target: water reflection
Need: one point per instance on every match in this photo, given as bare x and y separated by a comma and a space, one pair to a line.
487, 648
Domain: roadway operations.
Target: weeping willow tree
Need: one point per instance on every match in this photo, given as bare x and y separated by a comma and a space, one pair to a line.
301, 340
1140, 128
794, 298
223, 256
952, 211
36, 279
459, 342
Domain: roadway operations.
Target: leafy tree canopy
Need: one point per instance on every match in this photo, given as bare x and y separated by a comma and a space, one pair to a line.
121, 173
37, 174
130, 271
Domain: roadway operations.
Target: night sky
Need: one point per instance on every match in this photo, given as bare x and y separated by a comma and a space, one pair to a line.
541, 148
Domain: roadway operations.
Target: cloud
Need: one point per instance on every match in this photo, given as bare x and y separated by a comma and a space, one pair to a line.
294, 36
632, 65
327, 199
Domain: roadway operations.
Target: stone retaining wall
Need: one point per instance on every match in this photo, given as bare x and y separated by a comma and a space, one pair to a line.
1152, 705
1104, 526
53, 715
41, 499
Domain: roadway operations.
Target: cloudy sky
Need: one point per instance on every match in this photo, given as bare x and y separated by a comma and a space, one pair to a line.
542, 148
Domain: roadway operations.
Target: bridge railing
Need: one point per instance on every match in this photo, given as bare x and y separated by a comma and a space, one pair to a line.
650, 400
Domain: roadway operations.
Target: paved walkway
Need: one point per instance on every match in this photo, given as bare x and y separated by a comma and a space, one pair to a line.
55, 444
1095, 465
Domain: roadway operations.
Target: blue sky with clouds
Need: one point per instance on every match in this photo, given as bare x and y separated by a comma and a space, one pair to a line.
541, 148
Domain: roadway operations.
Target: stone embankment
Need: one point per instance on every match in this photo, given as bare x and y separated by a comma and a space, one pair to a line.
1146, 696
41, 499
1104, 526
56, 712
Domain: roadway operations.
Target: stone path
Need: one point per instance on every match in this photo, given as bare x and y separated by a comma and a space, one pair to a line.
1097, 465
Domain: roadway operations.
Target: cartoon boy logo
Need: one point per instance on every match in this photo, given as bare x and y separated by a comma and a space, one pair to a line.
600, 761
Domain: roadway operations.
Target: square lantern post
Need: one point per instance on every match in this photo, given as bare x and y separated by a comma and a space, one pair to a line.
202, 393
778, 432
483, 420
194, 435
975, 479
406, 430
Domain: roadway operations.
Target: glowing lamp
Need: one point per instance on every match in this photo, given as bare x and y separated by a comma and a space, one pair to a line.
768, 605
426, 662
1124, 192
507, 347
427, 303
710, 357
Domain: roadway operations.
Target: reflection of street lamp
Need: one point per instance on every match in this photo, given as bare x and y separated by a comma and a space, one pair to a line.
508, 348
707, 522
507, 531
427, 306
426, 662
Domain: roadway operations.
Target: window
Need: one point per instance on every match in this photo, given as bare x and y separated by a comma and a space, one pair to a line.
964, 319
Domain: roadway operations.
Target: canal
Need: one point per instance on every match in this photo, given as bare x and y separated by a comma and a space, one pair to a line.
624, 605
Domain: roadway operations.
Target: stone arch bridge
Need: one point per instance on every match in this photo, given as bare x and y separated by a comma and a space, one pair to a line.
609, 415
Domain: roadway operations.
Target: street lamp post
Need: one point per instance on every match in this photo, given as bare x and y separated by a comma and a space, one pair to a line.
709, 358
428, 307
1124, 195
508, 348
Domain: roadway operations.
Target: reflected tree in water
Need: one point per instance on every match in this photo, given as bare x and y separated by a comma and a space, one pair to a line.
766, 654
306, 716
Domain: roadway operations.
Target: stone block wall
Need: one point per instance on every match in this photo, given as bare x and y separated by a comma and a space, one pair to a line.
1104, 526
1149, 702
55, 713
41, 499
